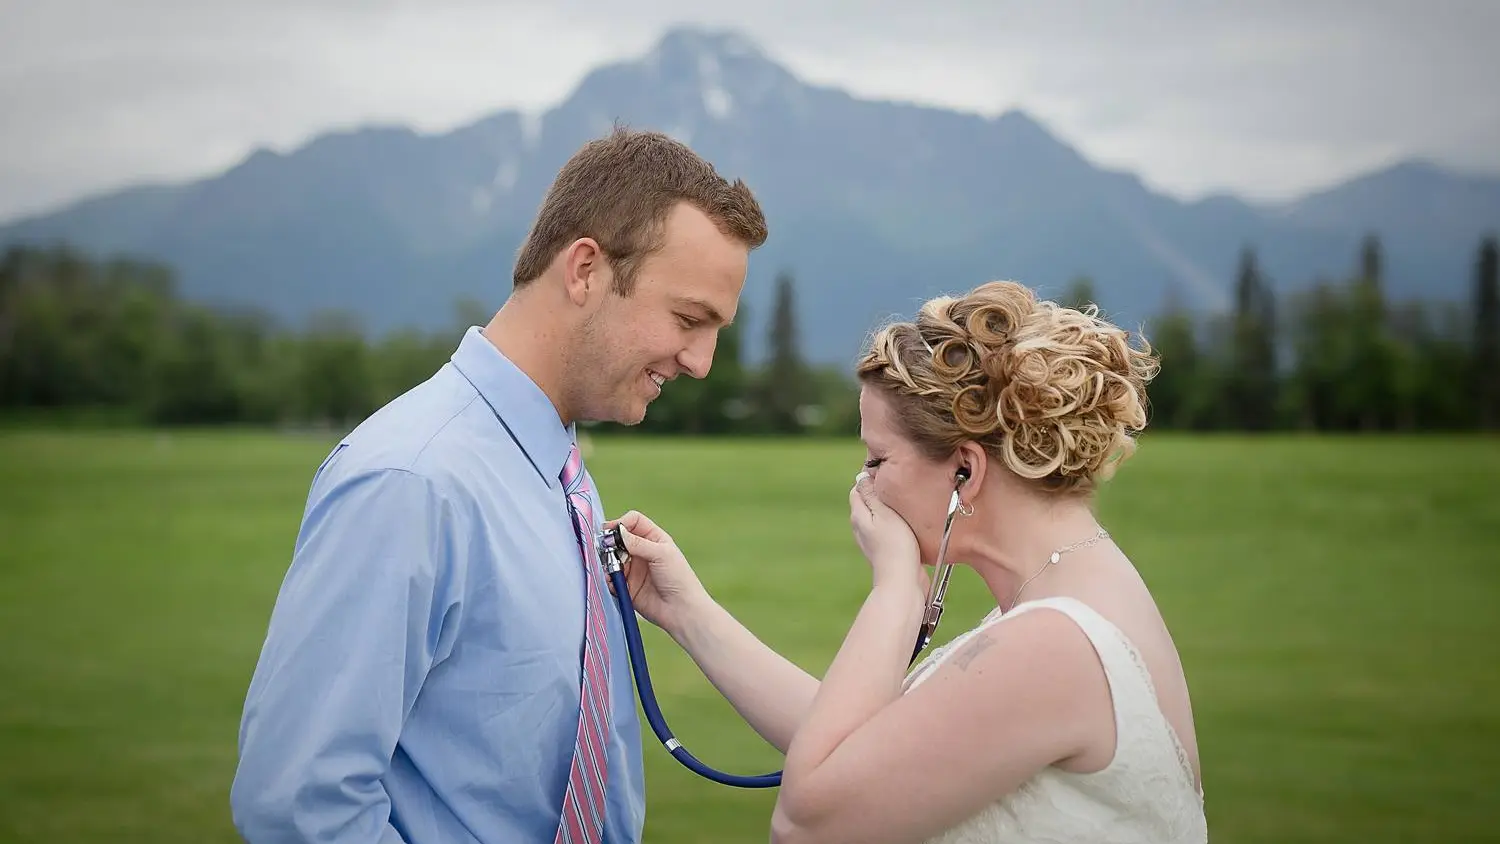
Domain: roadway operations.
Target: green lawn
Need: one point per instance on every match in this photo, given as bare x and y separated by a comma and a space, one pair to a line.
1335, 602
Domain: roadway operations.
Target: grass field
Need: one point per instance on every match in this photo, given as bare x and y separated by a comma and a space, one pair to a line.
1337, 603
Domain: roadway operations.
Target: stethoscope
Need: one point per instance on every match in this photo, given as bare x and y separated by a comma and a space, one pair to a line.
613, 555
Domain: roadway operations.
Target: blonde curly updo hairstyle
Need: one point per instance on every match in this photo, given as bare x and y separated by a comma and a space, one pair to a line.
1054, 393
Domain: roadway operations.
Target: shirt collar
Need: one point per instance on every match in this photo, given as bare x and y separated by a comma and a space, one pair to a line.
518, 403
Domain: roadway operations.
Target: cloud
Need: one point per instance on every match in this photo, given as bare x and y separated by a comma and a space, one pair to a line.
1266, 99
99, 95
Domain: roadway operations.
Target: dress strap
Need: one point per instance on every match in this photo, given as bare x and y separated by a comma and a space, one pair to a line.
1138, 714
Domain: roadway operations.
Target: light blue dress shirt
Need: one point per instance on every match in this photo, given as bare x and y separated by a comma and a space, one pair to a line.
419, 681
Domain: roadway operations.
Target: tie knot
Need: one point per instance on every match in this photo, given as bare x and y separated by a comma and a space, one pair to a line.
572, 471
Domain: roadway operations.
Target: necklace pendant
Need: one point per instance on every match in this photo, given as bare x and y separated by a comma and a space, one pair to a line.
1054, 558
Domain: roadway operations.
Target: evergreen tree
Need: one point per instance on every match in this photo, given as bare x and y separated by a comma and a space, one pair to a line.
1252, 380
784, 385
1371, 391
1174, 391
1486, 353
1370, 264
1320, 348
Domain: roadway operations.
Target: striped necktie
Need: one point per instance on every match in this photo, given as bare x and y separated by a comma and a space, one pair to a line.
583, 803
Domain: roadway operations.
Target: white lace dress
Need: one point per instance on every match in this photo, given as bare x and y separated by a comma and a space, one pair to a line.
1146, 794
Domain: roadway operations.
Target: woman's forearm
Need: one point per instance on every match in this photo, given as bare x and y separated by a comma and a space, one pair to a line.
769, 691
865, 676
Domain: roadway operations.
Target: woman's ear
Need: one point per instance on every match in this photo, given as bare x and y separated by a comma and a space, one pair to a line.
971, 463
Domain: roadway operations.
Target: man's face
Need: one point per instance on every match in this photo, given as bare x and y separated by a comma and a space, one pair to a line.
684, 294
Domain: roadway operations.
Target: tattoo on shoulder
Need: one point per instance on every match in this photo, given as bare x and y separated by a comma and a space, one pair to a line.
972, 649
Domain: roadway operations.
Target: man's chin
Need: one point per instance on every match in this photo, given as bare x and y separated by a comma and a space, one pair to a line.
633, 414
630, 408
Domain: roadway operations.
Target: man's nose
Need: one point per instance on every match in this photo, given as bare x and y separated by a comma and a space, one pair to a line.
698, 357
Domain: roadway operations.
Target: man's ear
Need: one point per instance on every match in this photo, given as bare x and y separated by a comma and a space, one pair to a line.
586, 271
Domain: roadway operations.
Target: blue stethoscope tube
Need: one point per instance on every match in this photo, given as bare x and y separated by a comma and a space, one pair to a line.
612, 553
648, 695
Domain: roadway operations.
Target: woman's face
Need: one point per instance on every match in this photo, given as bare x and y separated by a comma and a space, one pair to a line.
917, 488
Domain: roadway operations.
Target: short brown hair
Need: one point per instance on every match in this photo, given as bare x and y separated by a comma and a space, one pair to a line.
1055, 393
619, 190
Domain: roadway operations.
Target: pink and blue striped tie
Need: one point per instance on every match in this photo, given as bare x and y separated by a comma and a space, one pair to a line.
583, 803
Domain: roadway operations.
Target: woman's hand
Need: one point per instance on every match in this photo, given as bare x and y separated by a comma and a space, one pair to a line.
885, 538
663, 587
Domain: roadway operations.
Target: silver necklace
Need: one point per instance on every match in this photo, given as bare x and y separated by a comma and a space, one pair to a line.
1053, 560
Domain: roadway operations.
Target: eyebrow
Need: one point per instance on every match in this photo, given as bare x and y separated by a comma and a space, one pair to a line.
713, 313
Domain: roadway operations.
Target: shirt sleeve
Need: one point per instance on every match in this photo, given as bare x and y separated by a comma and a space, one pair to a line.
359, 622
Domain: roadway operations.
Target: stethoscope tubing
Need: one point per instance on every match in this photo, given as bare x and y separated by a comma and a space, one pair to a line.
653, 712
609, 552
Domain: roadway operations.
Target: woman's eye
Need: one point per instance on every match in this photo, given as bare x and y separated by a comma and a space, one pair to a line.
873, 462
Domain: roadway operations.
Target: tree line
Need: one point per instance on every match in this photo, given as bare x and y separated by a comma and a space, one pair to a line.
1339, 355
112, 339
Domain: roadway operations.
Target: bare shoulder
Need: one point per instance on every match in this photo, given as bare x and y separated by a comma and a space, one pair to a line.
1036, 637
1041, 668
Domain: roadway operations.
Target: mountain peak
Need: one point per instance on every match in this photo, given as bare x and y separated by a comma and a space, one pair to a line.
697, 43
724, 65
691, 75
1018, 124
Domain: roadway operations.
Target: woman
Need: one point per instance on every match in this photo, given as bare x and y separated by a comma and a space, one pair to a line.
1064, 714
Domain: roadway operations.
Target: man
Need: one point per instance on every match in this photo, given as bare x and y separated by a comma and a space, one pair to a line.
444, 662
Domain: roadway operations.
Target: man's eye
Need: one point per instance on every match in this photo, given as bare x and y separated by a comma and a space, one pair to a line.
687, 321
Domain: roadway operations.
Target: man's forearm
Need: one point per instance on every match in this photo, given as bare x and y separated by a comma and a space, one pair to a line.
769, 691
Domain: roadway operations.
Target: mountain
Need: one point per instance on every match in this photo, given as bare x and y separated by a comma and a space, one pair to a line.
873, 206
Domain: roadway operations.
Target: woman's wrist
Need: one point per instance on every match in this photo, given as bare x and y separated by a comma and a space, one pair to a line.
693, 618
903, 596
898, 580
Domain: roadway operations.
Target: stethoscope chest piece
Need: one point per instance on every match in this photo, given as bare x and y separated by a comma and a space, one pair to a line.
611, 547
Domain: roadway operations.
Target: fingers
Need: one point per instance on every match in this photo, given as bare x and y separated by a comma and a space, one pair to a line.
864, 491
636, 522
857, 503
640, 546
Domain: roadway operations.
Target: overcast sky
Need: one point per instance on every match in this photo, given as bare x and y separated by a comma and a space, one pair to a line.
1265, 99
